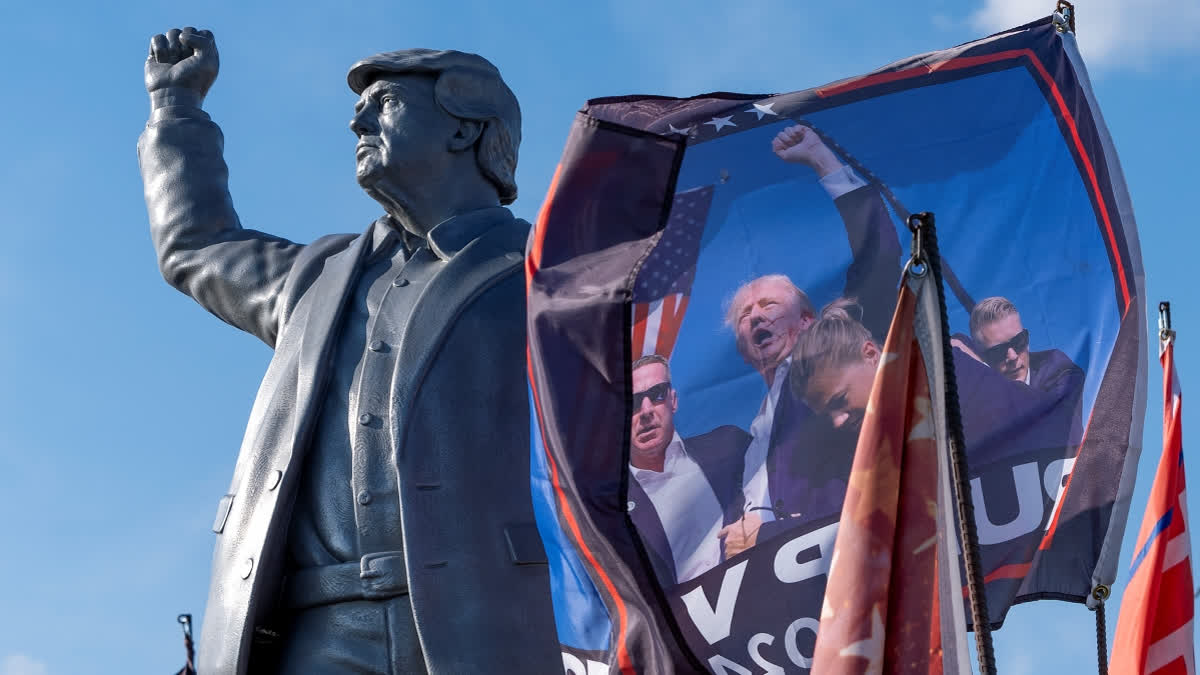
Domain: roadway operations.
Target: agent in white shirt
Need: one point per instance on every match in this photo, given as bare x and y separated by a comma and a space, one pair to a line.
684, 491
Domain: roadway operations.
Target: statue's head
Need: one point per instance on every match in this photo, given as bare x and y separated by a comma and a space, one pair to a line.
419, 110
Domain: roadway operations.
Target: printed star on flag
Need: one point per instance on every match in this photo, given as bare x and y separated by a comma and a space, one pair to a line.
721, 122
685, 131
762, 109
871, 648
922, 429
865, 484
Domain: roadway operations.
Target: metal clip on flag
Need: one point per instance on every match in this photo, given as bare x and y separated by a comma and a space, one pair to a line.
189, 667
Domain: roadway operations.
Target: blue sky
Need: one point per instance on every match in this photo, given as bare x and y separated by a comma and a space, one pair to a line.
123, 403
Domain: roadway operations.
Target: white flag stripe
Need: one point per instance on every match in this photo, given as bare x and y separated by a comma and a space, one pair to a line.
1179, 547
1174, 646
1177, 552
653, 323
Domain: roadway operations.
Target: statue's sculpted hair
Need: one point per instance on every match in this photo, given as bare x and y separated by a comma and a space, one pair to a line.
468, 87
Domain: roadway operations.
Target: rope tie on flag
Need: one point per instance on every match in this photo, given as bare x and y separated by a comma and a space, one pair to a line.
925, 244
1100, 593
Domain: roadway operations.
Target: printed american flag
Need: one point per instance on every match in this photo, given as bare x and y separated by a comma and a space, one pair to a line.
1154, 631
664, 282
891, 602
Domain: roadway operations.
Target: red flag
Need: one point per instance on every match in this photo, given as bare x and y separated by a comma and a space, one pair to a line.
1154, 631
882, 612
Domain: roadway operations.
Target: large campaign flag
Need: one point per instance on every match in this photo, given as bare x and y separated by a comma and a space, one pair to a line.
1154, 632
893, 600
692, 436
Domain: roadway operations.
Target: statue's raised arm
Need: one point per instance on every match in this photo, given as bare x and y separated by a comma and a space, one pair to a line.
235, 273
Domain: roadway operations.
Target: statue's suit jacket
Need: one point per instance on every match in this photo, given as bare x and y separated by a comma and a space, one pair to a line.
458, 421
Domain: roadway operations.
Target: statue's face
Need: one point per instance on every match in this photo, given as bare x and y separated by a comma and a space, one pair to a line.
403, 133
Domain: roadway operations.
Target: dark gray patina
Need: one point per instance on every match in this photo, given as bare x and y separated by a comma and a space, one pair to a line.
379, 516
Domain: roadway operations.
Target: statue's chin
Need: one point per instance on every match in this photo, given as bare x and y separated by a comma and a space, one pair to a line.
366, 174
378, 190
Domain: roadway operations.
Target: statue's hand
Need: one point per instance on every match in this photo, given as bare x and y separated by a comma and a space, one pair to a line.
181, 67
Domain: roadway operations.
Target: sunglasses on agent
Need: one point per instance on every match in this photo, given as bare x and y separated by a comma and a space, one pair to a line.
997, 354
657, 394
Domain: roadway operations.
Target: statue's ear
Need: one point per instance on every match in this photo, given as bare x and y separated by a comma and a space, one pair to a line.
466, 135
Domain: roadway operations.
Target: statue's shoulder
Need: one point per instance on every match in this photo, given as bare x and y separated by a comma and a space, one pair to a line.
330, 244
511, 234
310, 263
312, 257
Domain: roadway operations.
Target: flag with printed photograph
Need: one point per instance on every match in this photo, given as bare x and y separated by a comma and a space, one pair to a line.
714, 232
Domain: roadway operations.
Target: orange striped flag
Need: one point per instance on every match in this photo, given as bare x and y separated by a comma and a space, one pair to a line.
1154, 631
889, 603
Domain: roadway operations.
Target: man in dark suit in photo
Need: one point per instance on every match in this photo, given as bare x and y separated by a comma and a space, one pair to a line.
683, 490
1004, 346
999, 420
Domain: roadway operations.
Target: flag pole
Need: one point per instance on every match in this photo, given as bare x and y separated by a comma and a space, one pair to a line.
925, 252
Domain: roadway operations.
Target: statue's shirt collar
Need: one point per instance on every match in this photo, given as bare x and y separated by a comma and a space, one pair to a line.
446, 238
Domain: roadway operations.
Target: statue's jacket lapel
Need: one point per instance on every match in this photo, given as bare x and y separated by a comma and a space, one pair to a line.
252, 518
467, 275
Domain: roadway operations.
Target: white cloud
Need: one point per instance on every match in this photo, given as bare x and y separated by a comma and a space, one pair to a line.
22, 664
1110, 32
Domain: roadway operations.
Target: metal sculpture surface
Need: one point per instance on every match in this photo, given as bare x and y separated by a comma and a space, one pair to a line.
379, 516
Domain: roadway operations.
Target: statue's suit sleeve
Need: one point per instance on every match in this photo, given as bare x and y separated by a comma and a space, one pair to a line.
235, 273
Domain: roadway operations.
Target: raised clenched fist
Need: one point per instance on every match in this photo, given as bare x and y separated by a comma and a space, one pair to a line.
182, 65
801, 145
